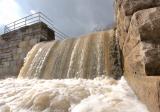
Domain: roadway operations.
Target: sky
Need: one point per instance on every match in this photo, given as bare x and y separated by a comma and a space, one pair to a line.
72, 17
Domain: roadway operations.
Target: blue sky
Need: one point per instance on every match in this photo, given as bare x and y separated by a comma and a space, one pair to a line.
73, 17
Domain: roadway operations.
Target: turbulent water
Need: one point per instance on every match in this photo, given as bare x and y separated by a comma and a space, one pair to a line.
85, 57
68, 95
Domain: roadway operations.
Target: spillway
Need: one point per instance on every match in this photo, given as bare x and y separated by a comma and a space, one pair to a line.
85, 57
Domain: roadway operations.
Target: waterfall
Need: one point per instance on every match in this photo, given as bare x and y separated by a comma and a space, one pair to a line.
84, 57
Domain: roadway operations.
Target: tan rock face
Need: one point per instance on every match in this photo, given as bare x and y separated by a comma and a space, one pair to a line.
147, 89
124, 11
131, 6
134, 62
138, 32
145, 29
123, 22
139, 26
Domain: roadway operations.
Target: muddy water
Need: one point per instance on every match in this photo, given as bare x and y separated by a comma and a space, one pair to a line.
84, 57
68, 95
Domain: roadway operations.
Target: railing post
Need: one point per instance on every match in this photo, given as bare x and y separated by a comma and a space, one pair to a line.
39, 17
14, 25
4, 29
25, 21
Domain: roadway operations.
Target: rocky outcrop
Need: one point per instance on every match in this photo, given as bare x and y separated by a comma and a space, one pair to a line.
144, 39
124, 12
138, 32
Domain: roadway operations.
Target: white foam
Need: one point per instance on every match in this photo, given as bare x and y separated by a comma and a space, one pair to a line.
69, 95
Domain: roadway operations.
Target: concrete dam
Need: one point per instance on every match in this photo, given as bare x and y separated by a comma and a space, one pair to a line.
108, 71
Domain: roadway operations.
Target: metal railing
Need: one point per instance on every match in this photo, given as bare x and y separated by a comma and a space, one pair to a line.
32, 19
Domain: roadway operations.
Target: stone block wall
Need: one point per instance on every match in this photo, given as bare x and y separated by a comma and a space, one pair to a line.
138, 33
15, 45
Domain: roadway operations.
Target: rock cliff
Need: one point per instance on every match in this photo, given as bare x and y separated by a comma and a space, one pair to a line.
138, 33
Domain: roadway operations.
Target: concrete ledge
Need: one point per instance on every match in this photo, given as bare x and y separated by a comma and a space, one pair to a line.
15, 45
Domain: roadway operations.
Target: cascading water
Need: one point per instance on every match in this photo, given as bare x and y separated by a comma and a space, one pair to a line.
77, 71
85, 57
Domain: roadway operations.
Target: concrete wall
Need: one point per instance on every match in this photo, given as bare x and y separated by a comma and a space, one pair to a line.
15, 45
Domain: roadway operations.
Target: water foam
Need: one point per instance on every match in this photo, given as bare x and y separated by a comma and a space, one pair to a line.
68, 95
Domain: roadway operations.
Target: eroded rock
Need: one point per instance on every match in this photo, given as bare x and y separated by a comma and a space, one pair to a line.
145, 29
125, 10
139, 39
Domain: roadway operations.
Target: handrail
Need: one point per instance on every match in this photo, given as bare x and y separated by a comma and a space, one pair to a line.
32, 19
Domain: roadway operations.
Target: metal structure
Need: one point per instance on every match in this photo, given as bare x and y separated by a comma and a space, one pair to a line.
32, 19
